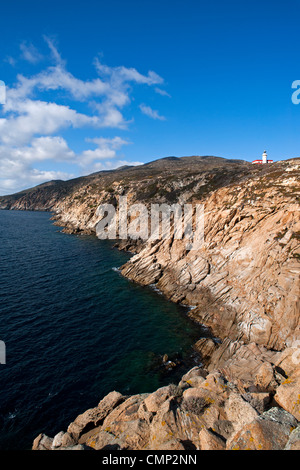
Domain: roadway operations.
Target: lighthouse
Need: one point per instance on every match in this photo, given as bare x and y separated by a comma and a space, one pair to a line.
264, 159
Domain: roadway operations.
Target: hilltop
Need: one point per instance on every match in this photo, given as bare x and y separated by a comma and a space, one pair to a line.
169, 170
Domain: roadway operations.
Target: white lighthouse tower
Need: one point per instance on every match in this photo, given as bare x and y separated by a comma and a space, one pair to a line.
264, 157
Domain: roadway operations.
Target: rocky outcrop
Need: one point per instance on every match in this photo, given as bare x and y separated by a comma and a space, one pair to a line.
204, 411
242, 284
244, 281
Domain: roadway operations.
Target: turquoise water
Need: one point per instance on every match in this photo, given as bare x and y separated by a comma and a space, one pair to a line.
75, 329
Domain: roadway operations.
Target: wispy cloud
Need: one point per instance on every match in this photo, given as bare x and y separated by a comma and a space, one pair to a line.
106, 149
30, 53
152, 113
31, 126
56, 56
162, 92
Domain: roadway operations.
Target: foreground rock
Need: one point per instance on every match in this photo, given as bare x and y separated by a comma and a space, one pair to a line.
204, 411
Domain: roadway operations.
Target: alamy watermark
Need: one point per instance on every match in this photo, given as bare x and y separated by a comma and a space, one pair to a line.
2, 353
163, 222
296, 94
296, 354
2, 92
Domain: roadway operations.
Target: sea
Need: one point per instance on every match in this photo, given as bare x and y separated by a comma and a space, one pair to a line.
75, 329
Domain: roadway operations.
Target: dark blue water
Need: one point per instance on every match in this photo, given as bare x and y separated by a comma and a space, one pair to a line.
74, 328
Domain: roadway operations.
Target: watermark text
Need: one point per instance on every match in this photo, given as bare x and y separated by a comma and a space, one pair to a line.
2, 353
296, 94
2, 92
157, 222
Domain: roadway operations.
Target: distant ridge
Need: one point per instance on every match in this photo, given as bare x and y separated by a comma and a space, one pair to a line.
44, 196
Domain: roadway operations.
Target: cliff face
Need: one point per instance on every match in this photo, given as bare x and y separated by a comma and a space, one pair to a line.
243, 283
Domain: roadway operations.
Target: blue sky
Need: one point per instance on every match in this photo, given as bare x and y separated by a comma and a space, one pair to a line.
93, 85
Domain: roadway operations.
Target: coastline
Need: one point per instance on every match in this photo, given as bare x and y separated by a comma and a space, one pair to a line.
243, 284
243, 396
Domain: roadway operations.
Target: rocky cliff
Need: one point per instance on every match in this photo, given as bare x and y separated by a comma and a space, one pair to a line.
243, 283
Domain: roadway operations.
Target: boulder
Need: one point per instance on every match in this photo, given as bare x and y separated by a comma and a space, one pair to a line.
210, 441
42, 442
269, 431
94, 416
294, 440
258, 400
264, 379
173, 428
238, 411
193, 378
155, 399
288, 360
288, 394
125, 425
126, 435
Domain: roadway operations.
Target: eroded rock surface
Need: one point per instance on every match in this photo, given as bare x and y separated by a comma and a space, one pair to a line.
204, 411
242, 284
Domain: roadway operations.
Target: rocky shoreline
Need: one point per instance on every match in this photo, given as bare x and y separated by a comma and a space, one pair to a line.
204, 411
243, 285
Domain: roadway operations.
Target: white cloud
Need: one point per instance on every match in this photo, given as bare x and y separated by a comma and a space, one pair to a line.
29, 178
162, 92
106, 150
30, 125
151, 112
17, 163
54, 51
123, 74
47, 148
115, 142
38, 117
17, 174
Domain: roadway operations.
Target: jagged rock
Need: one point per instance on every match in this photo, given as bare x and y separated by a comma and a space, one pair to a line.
206, 401
294, 440
210, 441
104, 440
206, 347
42, 442
193, 378
238, 411
288, 394
75, 447
94, 416
126, 435
259, 401
241, 361
125, 424
57, 440
173, 428
288, 360
223, 427
264, 379
204, 411
155, 399
270, 431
